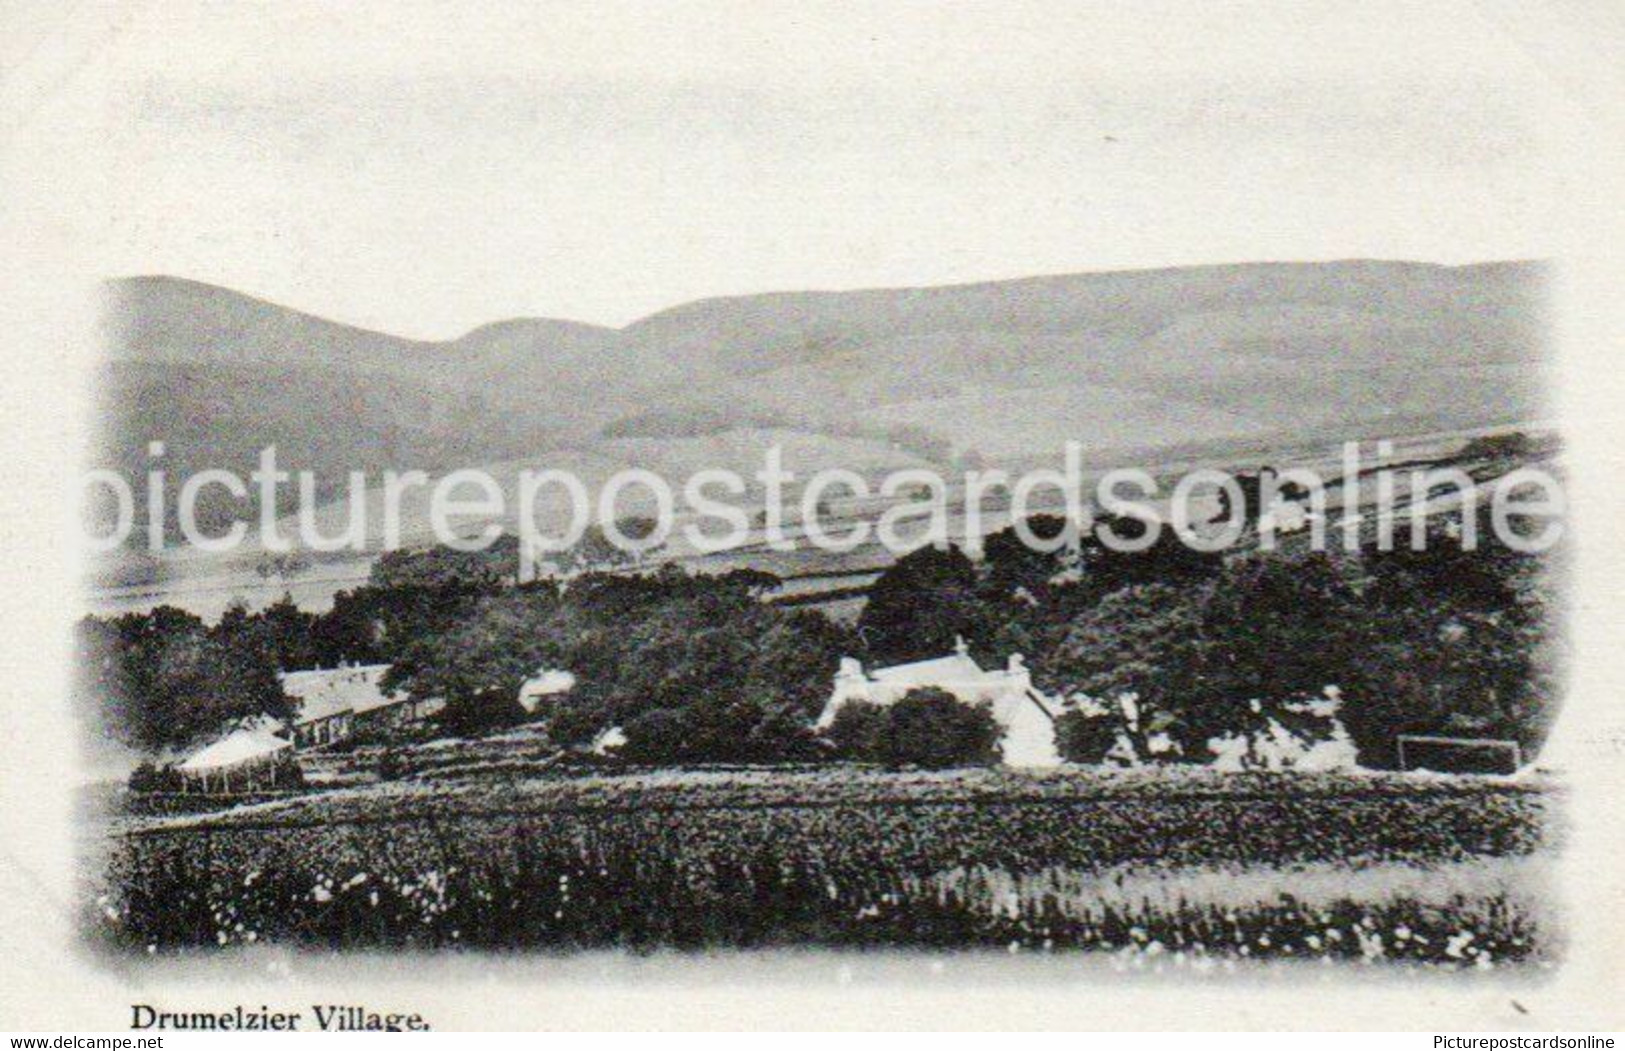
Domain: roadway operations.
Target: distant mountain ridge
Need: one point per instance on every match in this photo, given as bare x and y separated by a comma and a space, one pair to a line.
1001, 368
162, 318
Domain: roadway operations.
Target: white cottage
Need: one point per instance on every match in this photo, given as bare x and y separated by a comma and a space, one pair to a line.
1025, 714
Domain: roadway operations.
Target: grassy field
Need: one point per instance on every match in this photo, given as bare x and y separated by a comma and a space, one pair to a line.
1208, 867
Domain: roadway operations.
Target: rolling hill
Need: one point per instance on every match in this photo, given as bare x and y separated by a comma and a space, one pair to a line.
1008, 369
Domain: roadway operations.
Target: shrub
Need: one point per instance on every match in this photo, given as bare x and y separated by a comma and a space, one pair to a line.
929, 728
287, 773
391, 765
150, 778
1122, 729
664, 735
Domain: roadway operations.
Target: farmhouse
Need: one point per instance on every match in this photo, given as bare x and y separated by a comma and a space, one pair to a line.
1026, 715
335, 704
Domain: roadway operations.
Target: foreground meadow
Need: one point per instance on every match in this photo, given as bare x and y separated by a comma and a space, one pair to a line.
1195, 866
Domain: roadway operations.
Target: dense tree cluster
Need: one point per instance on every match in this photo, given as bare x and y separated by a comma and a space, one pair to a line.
926, 727
162, 679
1016, 598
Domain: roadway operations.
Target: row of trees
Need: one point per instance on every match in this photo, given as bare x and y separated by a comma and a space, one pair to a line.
1442, 640
162, 679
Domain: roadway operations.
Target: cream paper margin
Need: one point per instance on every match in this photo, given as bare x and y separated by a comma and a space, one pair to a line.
55, 186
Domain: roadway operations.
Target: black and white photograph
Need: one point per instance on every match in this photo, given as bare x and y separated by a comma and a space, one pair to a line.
1081, 505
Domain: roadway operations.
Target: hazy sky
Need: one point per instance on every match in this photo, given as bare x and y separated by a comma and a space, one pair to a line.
425, 169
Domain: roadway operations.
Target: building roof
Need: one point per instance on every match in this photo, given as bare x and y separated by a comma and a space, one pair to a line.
957, 667
1004, 689
326, 692
244, 745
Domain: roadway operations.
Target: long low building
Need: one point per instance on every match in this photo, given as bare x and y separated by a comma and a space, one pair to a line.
241, 761
336, 704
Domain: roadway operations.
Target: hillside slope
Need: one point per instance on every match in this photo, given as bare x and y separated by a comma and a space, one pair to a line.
1007, 369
